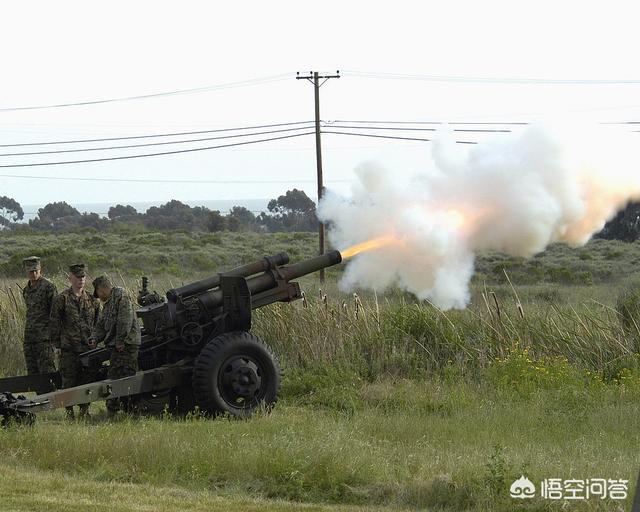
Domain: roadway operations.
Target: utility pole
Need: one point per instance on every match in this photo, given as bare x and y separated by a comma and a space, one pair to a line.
315, 78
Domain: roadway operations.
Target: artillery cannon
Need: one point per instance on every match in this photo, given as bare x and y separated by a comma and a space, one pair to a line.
197, 349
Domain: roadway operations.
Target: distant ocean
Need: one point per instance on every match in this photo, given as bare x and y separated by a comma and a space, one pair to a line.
224, 205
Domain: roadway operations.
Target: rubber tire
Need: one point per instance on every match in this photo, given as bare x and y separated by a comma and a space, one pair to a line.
209, 365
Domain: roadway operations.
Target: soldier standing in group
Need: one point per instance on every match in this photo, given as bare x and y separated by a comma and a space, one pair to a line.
73, 316
38, 296
118, 329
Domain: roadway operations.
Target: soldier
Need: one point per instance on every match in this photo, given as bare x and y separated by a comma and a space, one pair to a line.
38, 296
118, 329
73, 316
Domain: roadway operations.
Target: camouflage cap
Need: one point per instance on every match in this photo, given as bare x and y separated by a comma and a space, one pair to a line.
98, 282
78, 269
31, 263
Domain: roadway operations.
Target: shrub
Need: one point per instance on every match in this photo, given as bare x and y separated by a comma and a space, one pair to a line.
521, 374
628, 307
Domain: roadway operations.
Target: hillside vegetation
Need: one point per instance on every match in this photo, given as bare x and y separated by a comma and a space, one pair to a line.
387, 402
173, 253
183, 253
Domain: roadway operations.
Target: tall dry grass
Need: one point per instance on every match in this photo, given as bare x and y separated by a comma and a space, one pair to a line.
12, 316
396, 335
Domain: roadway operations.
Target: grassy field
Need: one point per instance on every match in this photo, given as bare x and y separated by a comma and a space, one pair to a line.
401, 445
175, 254
182, 254
387, 403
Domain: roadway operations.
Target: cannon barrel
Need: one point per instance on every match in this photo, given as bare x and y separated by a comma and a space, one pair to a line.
266, 281
266, 263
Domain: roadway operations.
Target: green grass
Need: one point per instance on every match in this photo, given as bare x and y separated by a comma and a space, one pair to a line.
26, 490
407, 445
387, 401
600, 261
184, 255
177, 254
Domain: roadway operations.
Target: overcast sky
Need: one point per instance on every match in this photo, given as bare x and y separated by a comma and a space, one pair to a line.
67, 52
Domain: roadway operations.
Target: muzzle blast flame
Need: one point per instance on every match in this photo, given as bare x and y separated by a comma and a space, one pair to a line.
513, 193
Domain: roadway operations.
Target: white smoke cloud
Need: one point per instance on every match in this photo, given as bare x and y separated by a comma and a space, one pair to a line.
514, 193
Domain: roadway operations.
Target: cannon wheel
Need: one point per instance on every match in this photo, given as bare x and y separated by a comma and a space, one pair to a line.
236, 373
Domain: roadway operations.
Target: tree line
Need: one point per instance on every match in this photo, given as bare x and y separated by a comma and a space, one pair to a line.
624, 226
293, 211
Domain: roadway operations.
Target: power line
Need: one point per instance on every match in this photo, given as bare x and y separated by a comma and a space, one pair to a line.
489, 80
273, 125
251, 134
428, 122
155, 135
389, 137
480, 130
142, 180
331, 125
191, 150
229, 85
500, 123
376, 136
226, 145
233, 144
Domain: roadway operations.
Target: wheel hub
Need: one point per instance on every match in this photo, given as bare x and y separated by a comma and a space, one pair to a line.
241, 379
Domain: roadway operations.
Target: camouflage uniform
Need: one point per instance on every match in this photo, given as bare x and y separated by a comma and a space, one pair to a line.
118, 328
72, 320
38, 352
